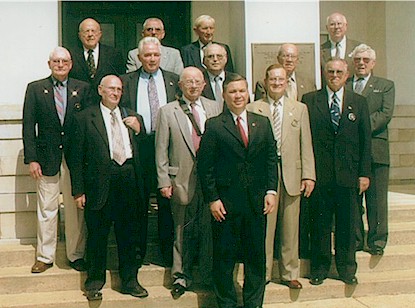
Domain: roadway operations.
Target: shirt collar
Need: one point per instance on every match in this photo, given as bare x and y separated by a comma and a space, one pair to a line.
212, 77
355, 78
65, 82
342, 43
146, 75
96, 49
243, 116
107, 110
339, 93
197, 102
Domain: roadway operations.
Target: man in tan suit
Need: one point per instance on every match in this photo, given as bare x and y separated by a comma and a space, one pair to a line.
180, 125
291, 128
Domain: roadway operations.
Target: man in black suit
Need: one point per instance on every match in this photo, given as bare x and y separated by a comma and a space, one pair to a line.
380, 96
237, 165
94, 60
192, 54
215, 59
139, 96
340, 129
48, 112
107, 182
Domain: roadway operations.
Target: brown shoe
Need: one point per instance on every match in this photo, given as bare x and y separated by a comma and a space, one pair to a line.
40, 267
292, 284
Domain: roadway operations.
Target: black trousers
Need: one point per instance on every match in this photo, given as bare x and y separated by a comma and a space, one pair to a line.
242, 232
341, 202
121, 209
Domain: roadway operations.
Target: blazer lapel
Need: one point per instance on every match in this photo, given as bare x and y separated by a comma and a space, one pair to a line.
323, 107
287, 119
230, 126
98, 122
369, 86
181, 118
50, 99
135, 77
196, 54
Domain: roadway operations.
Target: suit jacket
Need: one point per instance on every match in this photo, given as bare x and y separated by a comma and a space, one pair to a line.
46, 143
191, 56
175, 153
170, 60
325, 55
343, 157
91, 162
208, 92
238, 176
110, 62
304, 85
130, 87
297, 157
380, 97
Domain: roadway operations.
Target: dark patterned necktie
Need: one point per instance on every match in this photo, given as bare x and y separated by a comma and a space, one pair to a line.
60, 102
335, 112
153, 101
359, 86
91, 64
195, 137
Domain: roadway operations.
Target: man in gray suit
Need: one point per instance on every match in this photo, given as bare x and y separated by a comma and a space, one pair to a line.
297, 84
170, 57
180, 125
380, 96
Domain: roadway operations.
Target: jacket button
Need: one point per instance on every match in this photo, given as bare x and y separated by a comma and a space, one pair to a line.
61, 146
62, 133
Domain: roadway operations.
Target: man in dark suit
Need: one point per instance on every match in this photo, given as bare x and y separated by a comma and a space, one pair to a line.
380, 96
192, 54
215, 59
48, 112
297, 84
338, 45
107, 182
145, 91
94, 60
340, 129
237, 165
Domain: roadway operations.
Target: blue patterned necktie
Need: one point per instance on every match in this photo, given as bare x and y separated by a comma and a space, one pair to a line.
335, 112
153, 101
60, 101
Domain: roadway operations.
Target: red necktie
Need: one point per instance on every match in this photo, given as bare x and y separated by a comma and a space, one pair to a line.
242, 131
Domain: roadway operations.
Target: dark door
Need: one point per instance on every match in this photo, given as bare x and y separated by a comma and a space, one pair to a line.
121, 22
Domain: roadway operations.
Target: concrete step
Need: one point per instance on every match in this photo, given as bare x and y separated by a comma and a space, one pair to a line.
401, 233
370, 284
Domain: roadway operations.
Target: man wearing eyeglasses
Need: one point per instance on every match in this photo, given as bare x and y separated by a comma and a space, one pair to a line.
380, 96
180, 126
215, 59
341, 134
170, 57
93, 60
48, 115
297, 84
338, 45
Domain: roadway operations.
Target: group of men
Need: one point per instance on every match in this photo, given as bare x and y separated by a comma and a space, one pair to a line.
230, 177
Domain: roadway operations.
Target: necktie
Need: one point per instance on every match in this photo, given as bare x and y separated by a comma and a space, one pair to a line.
153, 100
59, 100
118, 150
218, 89
359, 86
291, 89
335, 112
337, 55
276, 123
195, 137
91, 64
242, 131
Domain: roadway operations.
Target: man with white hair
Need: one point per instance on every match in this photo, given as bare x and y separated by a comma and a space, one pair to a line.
48, 115
380, 96
192, 54
170, 57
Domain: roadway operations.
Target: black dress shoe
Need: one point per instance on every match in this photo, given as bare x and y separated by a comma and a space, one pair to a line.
136, 291
93, 295
315, 281
78, 265
350, 280
376, 251
177, 291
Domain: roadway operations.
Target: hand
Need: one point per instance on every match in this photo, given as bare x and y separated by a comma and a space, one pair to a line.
133, 123
167, 192
269, 203
80, 201
35, 170
218, 210
364, 183
307, 186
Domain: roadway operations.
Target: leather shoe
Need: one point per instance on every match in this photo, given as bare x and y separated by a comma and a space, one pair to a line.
40, 267
136, 291
78, 265
177, 291
292, 284
376, 251
315, 281
93, 295
350, 280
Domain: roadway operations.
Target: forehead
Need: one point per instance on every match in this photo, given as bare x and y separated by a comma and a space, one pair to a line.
337, 65
206, 24
89, 24
337, 18
237, 85
154, 24
277, 72
151, 47
215, 49
362, 54
289, 49
192, 74
112, 82
61, 54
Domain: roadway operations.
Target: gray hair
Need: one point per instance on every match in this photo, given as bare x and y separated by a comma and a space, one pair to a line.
364, 48
148, 40
202, 18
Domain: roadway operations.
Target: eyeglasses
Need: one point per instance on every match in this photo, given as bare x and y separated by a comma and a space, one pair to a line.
153, 29
335, 72
334, 24
59, 61
113, 89
276, 79
192, 82
293, 57
219, 57
365, 60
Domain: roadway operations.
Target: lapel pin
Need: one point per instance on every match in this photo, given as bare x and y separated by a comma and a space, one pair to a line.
171, 83
253, 124
349, 107
74, 93
45, 91
77, 106
352, 116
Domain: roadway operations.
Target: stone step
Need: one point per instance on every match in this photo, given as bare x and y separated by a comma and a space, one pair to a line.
370, 284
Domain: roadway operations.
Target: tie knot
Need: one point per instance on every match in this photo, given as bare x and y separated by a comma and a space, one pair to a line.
59, 84
218, 78
90, 51
113, 114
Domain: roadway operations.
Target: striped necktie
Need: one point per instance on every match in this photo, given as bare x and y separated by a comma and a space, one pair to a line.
277, 124
60, 101
118, 150
335, 112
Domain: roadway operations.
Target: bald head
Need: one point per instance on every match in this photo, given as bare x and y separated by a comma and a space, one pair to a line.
110, 90
336, 25
215, 58
288, 57
192, 83
89, 33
